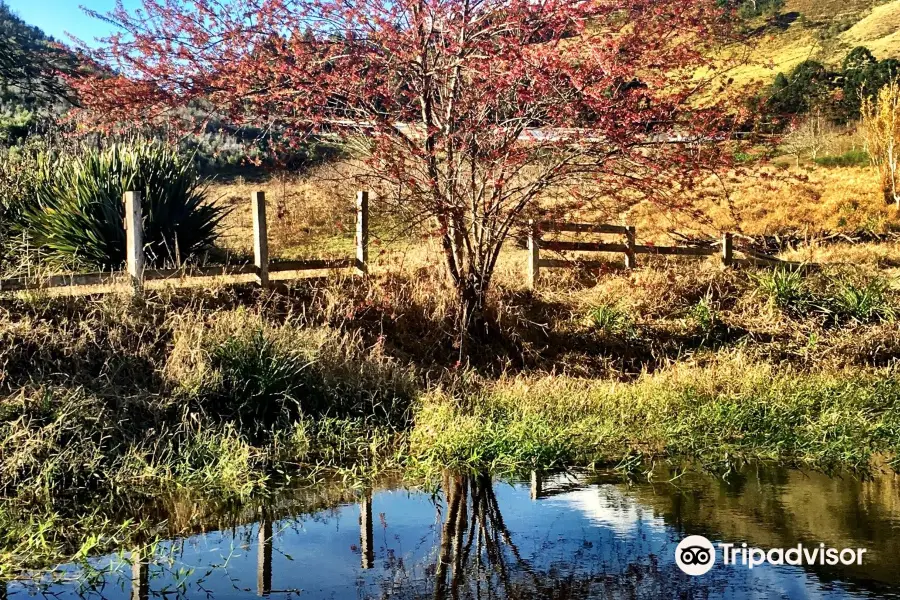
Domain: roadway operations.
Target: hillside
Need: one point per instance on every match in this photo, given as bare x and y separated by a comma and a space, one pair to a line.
30, 62
823, 30
879, 31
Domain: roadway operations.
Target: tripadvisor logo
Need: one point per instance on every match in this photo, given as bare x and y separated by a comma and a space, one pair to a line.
696, 555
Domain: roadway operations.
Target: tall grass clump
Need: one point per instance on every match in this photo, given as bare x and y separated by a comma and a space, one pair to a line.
258, 385
610, 319
867, 302
266, 378
786, 289
75, 214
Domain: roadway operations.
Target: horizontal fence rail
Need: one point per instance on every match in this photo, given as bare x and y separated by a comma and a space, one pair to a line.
676, 250
628, 247
582, 227
136, 274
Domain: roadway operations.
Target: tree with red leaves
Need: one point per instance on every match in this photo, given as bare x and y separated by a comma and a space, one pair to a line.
473, 110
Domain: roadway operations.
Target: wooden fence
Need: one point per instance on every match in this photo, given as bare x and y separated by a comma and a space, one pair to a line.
136, 274
627, 246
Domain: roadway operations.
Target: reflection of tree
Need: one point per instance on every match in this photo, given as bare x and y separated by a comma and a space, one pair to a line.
478, 558
474, 522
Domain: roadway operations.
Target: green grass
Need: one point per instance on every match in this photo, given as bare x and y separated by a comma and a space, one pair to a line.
786, 289
840, 298
867, 302
610, 319
851, 158
731, 411
706, 316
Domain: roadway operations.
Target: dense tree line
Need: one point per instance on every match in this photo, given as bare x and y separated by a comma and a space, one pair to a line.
838, 93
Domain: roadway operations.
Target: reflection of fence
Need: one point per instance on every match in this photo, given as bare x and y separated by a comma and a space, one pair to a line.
626, 246
136, 275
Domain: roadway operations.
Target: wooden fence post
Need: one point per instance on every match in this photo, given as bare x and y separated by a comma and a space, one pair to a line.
630, 254
362, 233
260, 237
727, 249
134, 242
534, 255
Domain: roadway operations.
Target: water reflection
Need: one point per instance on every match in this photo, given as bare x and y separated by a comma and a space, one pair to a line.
553, 536
140, 575
264, 547
365, 532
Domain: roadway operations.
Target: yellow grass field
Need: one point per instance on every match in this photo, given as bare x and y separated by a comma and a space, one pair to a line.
879, 31
313, 216
822, 30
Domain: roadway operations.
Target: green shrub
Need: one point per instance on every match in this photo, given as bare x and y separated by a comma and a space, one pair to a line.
15, 123
706, 317
76, 213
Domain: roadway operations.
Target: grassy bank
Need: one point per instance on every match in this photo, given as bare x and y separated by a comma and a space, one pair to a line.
101, 397
233, 390
230, 393
729, 411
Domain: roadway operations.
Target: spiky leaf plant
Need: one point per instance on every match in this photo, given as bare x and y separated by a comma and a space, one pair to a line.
76, 214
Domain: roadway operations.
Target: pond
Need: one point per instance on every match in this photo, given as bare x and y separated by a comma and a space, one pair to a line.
560, 536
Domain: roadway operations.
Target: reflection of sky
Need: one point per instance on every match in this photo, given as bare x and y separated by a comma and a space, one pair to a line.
597, 533
609, 507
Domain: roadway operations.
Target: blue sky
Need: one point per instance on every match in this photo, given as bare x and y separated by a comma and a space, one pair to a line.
58, 17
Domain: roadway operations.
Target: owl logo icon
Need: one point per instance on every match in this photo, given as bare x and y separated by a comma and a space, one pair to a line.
695, 555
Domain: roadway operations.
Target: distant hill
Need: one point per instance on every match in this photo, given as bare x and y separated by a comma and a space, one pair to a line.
879, 31
30, 62
822, 30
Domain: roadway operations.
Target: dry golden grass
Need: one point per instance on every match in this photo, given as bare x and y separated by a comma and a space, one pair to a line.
828, 9
884, 256
773, 200
809, 37
879, 31
313, 216
309, 216
773, 54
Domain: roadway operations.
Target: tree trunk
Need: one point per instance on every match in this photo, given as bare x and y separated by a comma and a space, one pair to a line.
472, 291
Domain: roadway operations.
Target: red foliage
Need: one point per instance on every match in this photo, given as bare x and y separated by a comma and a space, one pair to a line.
472, 108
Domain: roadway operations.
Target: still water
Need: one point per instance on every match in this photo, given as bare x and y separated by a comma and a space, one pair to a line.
557, 536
